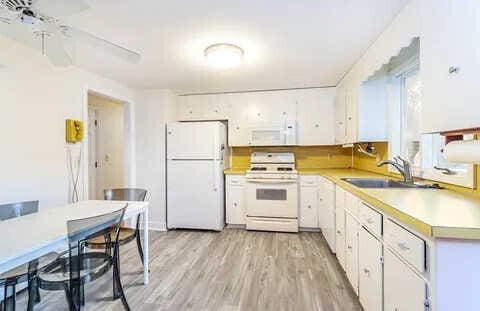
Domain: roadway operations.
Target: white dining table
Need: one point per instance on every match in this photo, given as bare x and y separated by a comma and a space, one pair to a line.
31, 236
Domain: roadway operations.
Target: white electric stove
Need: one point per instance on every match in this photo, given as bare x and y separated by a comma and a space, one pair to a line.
272, 192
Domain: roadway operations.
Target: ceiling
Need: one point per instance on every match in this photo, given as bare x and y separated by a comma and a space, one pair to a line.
287, 44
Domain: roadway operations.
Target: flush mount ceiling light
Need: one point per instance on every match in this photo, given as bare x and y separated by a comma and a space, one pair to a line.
224, 55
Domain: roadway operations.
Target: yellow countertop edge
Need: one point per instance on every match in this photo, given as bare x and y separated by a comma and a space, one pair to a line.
414, 223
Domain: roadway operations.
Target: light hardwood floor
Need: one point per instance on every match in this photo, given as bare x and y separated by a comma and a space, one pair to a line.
231, 270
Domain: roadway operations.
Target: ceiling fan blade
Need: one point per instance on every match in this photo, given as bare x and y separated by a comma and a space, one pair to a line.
20, 33
86, 38
56, 53
60, 8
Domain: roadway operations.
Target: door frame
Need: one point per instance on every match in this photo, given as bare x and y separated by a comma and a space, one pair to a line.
128, 134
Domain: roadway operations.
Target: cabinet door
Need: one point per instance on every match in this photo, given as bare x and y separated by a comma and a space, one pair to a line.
351, 251
403, 289
326, 211
315, 117
351, 115
235, 209
238, 119
340, 235
370, 271
191, 108
217, 107
308, 214
340, 116
450, 62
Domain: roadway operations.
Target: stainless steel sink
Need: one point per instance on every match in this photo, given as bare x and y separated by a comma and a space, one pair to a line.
382, 183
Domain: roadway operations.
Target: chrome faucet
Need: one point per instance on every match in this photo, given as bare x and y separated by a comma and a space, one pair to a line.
402, 165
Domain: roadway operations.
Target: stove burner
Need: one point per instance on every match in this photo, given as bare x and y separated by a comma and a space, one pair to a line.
259, 168
284, 169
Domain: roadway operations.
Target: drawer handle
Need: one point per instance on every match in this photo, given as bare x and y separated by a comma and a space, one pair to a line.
366, 271
339, 232
309, 206
370, 220
403, 246
349, 247
234, 204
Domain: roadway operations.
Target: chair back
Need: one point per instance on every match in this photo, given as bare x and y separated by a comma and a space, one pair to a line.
125, 194
18, 209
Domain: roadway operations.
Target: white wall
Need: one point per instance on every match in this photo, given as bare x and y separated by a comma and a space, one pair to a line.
153, 110
399, 34
35, 100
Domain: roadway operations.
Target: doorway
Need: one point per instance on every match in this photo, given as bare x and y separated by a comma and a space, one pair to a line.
106, 144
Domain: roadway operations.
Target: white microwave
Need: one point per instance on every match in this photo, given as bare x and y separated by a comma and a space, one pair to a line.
275, 135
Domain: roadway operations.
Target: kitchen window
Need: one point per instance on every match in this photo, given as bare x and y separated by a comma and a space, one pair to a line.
424, 151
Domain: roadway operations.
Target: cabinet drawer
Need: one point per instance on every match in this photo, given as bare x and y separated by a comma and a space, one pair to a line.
407, 244
308, 180
236, 180
371, 219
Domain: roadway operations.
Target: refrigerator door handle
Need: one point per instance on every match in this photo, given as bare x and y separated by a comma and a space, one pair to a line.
215, 143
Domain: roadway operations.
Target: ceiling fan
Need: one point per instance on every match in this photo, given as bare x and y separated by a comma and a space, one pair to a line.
37, 24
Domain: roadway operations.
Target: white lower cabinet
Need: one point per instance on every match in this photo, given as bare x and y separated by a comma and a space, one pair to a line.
370, 279
308, 213
235, 199
404, 290
340, 235
326, 210
351, 251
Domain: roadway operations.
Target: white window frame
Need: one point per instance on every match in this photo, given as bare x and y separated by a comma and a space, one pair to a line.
425, 171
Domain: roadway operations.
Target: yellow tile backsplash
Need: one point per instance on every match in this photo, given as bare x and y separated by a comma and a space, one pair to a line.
306, 156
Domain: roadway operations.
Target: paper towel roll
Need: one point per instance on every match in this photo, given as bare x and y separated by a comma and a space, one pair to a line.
463, 151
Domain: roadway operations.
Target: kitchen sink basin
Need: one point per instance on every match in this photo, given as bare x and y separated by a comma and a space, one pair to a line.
382, 183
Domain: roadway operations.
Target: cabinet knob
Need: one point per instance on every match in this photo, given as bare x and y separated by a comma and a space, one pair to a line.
216, 110
339, 232
453, 69
238, 127
340, 123
349, 118
234, 204
349, 247
284, 113
309, 206
321, 199
190, 112
258, 114
316, 125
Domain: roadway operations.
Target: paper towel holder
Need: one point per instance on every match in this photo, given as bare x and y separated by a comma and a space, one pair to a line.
458, 134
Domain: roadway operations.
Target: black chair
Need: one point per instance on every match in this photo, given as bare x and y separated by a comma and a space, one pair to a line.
76, 267
26, 272
127, 235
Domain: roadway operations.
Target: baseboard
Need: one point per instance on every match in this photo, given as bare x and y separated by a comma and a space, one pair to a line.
157, 226
302, 229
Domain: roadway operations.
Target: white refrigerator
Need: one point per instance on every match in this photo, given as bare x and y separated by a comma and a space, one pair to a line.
195, 183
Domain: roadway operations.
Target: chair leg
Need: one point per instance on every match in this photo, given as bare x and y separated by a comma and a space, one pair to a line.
139, 246
82, 294
9, 302
33, 293
116, 278
116, 275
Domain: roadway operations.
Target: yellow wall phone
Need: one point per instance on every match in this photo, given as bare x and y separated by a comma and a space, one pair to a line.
74, 131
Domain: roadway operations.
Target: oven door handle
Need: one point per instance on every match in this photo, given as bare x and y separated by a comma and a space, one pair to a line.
272, 181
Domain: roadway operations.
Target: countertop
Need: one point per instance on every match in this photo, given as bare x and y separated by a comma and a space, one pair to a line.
439, 213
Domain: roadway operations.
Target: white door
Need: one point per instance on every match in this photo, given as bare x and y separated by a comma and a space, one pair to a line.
194, 195
403, 289
193, 140
235, 208
308, 213
351, 251
340, 236
370, 271
92, 155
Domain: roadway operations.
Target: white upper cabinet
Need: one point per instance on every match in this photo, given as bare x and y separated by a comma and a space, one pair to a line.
267, 109
361, 112
315, 117
340, 116
203, 107
449, 64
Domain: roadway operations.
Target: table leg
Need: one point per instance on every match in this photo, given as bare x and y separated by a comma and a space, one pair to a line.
145, 247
